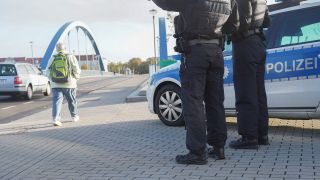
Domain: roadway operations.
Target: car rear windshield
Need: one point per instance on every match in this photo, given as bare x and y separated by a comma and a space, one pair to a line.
7, 70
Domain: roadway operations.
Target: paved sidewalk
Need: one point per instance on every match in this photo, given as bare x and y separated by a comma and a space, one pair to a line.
116, 140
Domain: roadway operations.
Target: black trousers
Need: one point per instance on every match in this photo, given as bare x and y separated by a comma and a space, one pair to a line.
201, 74
249, 57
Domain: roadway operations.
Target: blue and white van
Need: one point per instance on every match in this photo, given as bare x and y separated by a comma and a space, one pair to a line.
292, 71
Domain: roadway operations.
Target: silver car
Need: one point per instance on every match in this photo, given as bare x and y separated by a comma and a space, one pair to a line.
22, 79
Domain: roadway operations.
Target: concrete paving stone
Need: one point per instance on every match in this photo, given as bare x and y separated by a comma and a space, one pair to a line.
114, 175
256, 175
211, 178
259, 178
121, 178
239, 178
132, 172
298, 179
56, 177
148, 178
32, 178
181, 174
138, 175
97, 178
302, 176
155, 173
266, 172
196, 171
161, 176
285, 176
208, 173
219, 174
78, 177
180, 177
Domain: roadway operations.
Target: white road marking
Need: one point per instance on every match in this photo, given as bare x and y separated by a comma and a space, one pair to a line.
8, 107
28, 102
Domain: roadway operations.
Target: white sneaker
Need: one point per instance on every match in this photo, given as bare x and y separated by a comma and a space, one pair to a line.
76, 119
57, 123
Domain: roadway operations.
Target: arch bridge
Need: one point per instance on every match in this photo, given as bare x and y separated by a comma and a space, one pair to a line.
61, 35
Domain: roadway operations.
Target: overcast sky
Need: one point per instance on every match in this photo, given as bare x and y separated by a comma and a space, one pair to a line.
123, 28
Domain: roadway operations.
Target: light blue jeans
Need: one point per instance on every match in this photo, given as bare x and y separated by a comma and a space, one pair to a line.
57, 100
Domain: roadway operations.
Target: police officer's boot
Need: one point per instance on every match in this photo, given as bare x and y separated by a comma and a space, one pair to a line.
217, 153
263, 140
191, 158
244, 143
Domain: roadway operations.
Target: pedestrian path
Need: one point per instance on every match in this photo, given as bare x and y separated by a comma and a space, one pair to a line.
119, 140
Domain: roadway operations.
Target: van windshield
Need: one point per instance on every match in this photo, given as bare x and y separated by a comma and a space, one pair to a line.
7, 70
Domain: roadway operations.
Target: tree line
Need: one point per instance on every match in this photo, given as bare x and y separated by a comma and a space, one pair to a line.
135, 64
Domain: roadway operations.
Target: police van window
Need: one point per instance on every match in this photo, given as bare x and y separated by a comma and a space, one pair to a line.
299, 27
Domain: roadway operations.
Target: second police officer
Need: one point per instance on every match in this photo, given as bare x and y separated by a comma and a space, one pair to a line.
249, 54
199, 32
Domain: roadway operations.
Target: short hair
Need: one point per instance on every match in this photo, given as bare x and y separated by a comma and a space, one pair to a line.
61, 46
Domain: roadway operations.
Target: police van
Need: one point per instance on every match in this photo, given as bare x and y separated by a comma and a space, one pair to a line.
292, 76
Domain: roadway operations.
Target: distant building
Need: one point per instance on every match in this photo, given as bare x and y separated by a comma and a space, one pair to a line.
89, 62
37, 61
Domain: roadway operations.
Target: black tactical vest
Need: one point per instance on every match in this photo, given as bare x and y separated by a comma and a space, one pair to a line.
206, 17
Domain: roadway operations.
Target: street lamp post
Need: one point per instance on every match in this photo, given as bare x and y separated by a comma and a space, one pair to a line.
153, 12
31, 46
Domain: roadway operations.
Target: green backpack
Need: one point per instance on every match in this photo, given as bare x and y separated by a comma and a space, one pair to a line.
59, 69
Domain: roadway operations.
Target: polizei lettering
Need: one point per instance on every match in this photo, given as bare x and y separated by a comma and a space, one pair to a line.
293, 65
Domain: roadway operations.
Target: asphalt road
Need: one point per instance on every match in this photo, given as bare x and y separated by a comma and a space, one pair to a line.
13, 109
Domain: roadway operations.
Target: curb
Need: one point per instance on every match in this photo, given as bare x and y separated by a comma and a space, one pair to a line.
139, 94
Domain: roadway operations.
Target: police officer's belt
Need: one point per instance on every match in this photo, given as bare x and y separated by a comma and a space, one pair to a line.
243, 35
204, 41
252, 32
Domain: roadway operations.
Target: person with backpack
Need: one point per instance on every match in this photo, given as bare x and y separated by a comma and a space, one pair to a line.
63, 73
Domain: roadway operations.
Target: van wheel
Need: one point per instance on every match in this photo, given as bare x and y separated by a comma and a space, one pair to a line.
48, 90
168, 105
29, 94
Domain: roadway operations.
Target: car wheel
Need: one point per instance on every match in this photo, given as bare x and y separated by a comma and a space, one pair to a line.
29, 93
48, 90
169, 106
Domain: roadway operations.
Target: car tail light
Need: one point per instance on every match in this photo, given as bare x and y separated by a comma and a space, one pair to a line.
17, 80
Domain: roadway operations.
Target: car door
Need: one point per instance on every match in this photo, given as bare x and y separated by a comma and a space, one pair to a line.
42, 80
229, 102
292, 68
33, 77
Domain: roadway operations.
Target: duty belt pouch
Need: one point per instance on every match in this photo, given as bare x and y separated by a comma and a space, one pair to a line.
182, 46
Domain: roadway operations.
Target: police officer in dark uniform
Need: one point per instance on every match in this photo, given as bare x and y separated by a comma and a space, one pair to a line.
199, 33
249, 55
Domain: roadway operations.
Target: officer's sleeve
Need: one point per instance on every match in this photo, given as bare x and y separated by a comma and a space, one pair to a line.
171, 5
245, 14
233, 22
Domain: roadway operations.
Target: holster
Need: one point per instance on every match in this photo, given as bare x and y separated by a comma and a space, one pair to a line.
182, 46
